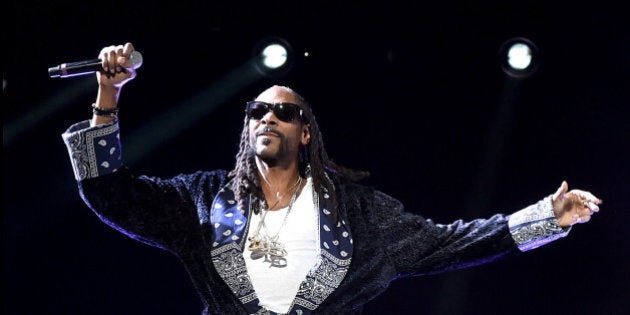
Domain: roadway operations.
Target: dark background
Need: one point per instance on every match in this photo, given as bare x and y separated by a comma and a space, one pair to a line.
412, 93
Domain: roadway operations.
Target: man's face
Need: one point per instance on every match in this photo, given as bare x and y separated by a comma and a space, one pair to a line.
274, 140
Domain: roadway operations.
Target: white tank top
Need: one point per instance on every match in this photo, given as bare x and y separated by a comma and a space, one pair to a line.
276, 287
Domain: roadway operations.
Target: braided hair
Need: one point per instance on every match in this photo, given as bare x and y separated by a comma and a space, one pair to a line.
313, 161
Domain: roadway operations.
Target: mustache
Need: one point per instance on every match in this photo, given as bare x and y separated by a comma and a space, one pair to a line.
268, 130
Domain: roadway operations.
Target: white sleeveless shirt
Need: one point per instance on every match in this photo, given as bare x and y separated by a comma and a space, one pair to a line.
276, 287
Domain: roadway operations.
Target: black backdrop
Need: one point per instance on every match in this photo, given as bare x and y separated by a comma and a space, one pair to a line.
412, 93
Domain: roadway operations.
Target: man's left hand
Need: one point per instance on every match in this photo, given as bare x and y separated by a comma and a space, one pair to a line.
575, 206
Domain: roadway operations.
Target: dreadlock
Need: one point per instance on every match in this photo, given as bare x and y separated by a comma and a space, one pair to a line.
313, 161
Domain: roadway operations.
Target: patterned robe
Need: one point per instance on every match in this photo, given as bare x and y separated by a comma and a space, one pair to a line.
376, 241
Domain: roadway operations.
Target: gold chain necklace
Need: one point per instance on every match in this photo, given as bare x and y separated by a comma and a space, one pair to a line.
268, 246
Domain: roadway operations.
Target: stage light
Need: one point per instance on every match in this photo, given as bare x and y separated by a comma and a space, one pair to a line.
274, 56
519, 57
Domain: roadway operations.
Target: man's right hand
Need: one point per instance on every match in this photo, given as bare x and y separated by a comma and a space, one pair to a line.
117, 66
117, 71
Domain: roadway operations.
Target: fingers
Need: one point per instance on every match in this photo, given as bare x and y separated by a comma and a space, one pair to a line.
583, 211
125, 56
108, 59
591, 206
586, 195
561, 190
115, 58
128, 49
584, 203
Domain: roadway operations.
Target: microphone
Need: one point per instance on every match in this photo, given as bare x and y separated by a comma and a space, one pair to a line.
73, 69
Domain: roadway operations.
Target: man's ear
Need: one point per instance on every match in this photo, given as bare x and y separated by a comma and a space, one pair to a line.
306, 134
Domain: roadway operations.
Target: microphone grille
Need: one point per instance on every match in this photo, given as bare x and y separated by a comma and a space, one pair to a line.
136, 59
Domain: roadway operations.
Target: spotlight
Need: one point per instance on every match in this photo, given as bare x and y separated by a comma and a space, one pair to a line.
519, 57
273, 56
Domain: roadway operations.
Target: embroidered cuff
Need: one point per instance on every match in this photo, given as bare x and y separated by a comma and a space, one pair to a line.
94, 150
536, 225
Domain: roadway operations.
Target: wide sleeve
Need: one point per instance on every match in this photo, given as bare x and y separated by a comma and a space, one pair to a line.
93, 150
165, 213
416, 245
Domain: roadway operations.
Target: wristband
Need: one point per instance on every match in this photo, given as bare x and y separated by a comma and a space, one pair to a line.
104, 112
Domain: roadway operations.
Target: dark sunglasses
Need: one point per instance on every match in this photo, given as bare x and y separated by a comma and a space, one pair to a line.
286, 112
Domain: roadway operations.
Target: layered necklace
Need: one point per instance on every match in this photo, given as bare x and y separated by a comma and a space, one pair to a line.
266, 245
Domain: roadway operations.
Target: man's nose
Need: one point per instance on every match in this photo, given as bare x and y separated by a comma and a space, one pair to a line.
269, 118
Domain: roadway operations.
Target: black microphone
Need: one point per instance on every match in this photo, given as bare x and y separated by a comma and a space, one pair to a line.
73, 69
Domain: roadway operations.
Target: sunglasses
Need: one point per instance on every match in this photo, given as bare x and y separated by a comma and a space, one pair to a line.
286, 112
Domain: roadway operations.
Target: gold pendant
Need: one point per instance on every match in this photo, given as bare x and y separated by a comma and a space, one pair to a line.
255, 243
255, 247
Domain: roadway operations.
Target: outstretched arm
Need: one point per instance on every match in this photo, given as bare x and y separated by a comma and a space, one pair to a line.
423, 247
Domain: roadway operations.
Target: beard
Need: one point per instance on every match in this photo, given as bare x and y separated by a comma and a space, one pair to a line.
270, 150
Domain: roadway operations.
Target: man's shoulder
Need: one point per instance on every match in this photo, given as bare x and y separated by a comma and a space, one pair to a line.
354, 188
364, 193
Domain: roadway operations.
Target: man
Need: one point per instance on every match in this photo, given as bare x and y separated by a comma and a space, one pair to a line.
287, 230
